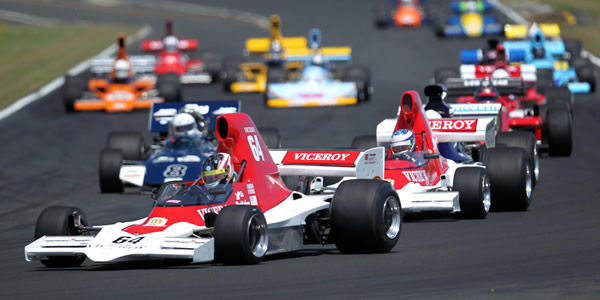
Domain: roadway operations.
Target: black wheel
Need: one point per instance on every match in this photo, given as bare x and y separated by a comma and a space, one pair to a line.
439, 23
110, 167
442, 74
361, 75
72, 90
574, 47
213, 64
558, 129
130, 143
382, 17
169, 87
231, 68
473, 187
60, 221
366, 216
527, 141
560, 94
510, 178
364, 142
241, 235
545, 79
271, 137
585, 72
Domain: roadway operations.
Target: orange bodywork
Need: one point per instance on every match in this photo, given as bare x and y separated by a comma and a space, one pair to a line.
408, 16
115, 97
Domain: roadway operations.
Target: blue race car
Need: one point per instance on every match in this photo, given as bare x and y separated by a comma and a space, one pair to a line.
174, 156
468, 18
568, 69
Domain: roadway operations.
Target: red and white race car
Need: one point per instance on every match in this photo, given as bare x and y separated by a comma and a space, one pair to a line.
237, 222
173, 59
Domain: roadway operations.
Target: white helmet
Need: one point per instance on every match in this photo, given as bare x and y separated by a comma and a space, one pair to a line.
185, 123
171, 43
403, 140
317, 60
122, 67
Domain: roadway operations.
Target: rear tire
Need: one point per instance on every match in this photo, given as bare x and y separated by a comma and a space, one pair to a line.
72, 90
169, 87
527, 141
545, 80
58, 221
366, 216
110, 167
574, 47
130, 143
213, 65
241, 235
231, 67
271, 137
562, 95
585, 73
473, 187
510, 178
558, 126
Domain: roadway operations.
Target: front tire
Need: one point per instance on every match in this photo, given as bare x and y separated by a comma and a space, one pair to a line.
169, 87
72, 90
527, 141
366, 216
558, 128
510, 178
271, 137
473, 187
241, 235
59, 221
361, 75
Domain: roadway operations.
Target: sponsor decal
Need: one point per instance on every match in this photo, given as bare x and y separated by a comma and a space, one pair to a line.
243, 202
415, 176
213, 209
253, 200
225, 110
157, 221
239, 195
250, 188
173, 201
370, 159
454, 125
201, 109
320, 158
249, 129
476, 107
119, 95
175, 171
128, 239
311, 95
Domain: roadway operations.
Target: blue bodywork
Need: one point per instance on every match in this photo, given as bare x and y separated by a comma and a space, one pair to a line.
472, 11
549, 54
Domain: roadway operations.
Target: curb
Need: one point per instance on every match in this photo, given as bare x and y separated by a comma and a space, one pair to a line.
57, 82
514, 16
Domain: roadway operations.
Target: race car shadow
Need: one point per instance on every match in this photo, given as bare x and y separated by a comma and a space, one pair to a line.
302, 253
433, 217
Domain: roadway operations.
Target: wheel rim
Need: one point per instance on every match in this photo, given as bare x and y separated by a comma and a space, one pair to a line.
528, 183
258, 240
487, 195
536, 163
392, 218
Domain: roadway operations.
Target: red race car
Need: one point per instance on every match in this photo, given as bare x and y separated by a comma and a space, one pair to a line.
173, 59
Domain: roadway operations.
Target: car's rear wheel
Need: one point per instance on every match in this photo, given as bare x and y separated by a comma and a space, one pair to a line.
110, 167
585, 72
366, 216
241, 235
558, 128
473, 187
130, 143
510, 178
545, 79
271, 137
169, 87
61, 221
574, 47
213, 65
231, 68
560, 95
72, 90
527, 141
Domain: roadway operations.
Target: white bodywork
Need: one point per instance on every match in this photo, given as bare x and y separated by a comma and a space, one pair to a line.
528, 72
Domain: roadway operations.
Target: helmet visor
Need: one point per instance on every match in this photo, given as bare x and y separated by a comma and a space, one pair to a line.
214, 176
401, 148
184, 128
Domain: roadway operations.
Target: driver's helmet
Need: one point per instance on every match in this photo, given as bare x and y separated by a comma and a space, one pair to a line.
184, 123
275, 54
122, 69
318, 60
403, 140
217, 169
171, 43
201, 122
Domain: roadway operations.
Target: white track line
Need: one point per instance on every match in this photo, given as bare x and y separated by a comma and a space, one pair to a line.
514, 16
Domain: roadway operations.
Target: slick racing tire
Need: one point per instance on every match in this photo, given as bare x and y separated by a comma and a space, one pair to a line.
241, 235
510, 178
72, 90
366, 216
59, 221
271, 137
442, 74
473, 187
383, 17
560, 94
231, 68
558, 128
545, 80
527, 141
585, 72
361, 75
110, 167
169, 87
213, 65
574, 47
130, 143
364, 142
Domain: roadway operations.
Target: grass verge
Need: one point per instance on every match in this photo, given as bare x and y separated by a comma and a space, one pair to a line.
34, 55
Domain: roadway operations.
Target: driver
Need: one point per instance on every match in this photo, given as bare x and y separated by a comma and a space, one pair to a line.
122, 71
218, 169
171, 43
275, 57
402, 144
318, 60
184, 123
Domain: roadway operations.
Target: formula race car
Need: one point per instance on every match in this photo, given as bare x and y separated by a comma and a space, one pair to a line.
118, 84
405, 13
173, 59
239, 221
468, 18
543, 48
317, 82
173, 156
429, 178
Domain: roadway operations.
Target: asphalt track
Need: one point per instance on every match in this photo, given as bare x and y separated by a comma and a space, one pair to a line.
49, 158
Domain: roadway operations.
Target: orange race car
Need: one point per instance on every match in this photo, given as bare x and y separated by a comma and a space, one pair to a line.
118, 84
406, 13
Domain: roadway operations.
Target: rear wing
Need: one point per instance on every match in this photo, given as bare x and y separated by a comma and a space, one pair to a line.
161, 114
157, 45
476, 109
329, 53
262, 45
457, 87
368, 164
139, 63
512, 31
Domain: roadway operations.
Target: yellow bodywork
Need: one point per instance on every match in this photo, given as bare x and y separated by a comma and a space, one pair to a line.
256, 77
472, 24
513, 31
